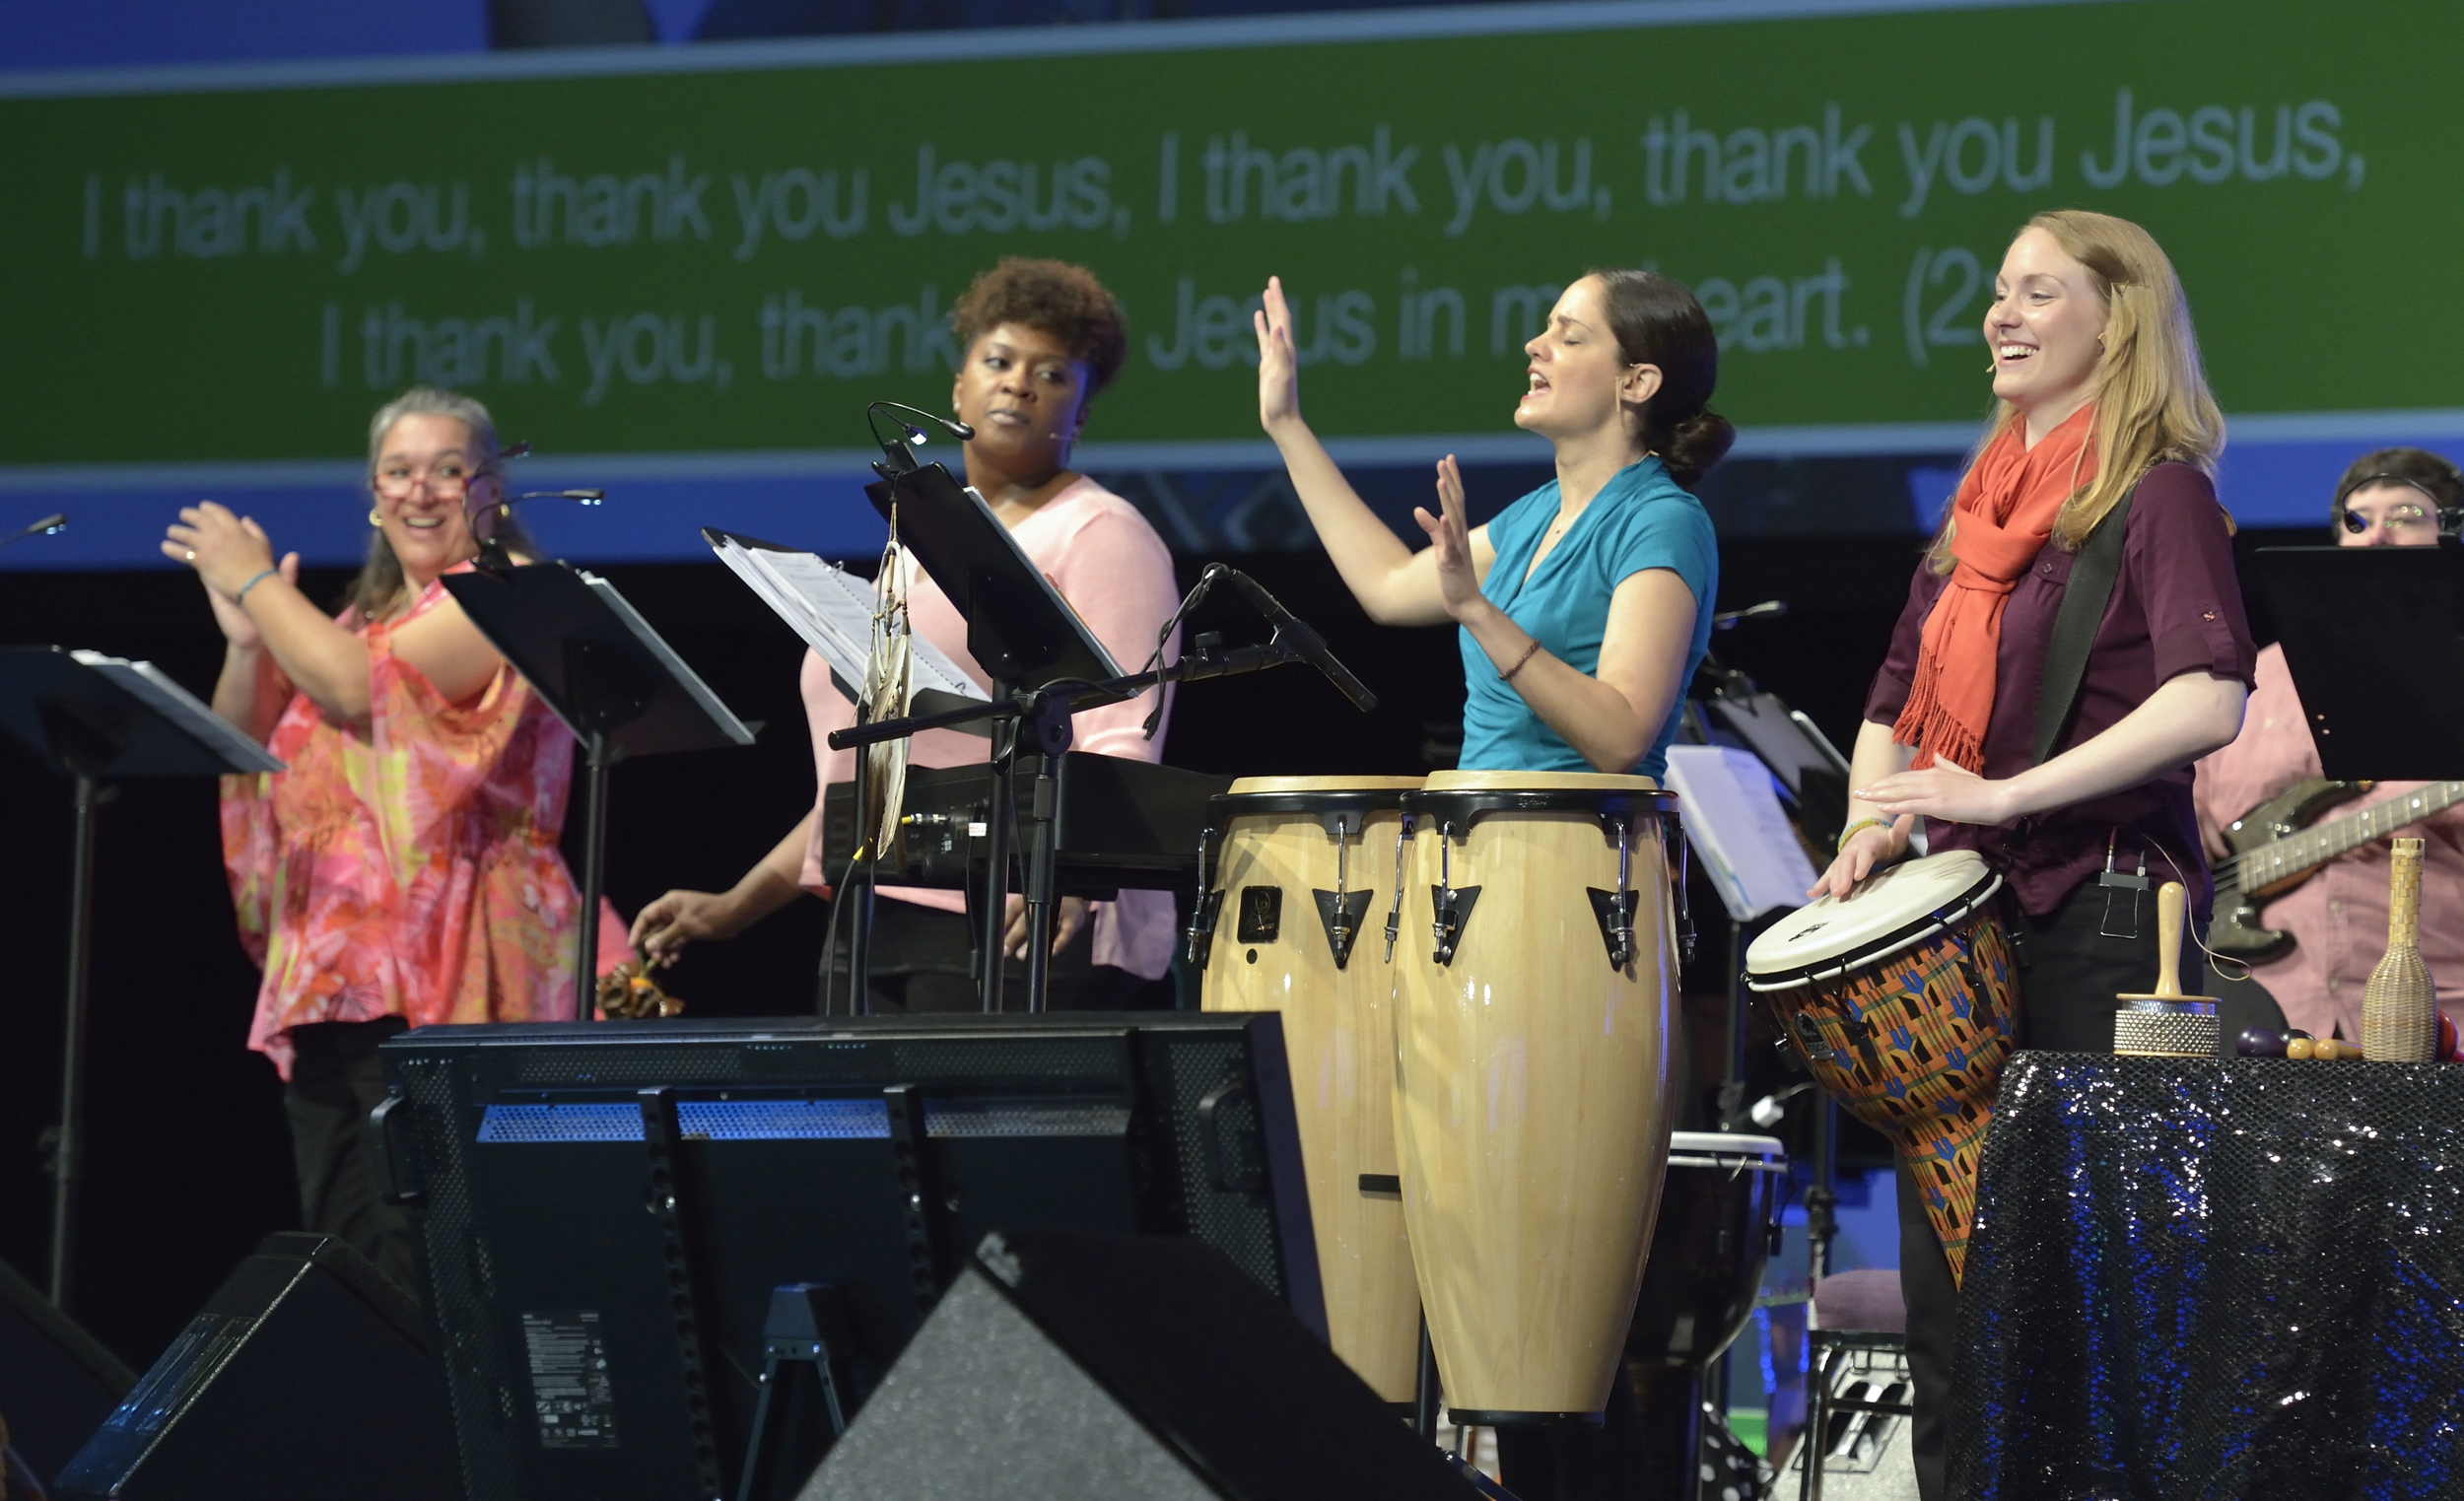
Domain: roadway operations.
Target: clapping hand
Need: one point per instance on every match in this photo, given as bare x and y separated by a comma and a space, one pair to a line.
226, 551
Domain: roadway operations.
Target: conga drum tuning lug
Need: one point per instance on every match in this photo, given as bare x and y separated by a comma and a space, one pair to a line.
1454, 914
1615, 913
1202, 935
1342, 917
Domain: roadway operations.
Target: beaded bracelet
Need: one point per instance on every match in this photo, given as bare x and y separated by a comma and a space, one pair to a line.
243, 596
1859, 827
1528, 652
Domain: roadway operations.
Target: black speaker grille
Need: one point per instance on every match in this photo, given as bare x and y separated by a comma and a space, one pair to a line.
455, 1256
1008, 1057
629, 1067
1236, 1221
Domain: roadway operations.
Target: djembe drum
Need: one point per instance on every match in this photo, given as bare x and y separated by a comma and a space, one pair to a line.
1904, 1002
1535, 991
1296, 867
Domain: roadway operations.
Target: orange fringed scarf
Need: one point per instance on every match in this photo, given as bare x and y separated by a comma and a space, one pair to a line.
2005, 511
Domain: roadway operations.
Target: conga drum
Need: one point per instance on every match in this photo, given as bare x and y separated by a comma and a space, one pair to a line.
1904, 1002
1295, 872
1534, 994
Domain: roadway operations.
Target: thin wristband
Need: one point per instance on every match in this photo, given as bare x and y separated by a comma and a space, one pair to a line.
243, 596
1860, 826
1528, 652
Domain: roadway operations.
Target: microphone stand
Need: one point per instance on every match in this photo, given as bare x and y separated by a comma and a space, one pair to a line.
1040, 718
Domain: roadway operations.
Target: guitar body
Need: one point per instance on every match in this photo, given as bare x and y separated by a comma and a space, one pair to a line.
2235, 933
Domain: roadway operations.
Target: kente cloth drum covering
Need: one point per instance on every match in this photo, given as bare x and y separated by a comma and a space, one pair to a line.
2196, 1279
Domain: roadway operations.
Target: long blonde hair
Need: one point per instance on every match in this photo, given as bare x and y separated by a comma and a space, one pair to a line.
2151, 398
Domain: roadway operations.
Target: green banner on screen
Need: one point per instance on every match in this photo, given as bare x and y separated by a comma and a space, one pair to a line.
728, 251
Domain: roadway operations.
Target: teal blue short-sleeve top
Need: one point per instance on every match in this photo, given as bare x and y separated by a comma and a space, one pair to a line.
1640, 519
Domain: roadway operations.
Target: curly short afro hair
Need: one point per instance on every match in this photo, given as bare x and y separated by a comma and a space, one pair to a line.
1053, 297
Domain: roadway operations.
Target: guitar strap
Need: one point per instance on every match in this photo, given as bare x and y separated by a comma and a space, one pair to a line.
2084, 599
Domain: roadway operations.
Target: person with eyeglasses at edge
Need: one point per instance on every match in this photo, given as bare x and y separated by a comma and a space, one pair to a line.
2338, 917
402, 870
1041, 340
2099, 402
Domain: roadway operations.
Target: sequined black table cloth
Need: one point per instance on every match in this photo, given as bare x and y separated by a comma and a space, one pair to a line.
2193, 1281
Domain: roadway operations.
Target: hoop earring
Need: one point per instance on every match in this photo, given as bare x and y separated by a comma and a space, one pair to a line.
375, 517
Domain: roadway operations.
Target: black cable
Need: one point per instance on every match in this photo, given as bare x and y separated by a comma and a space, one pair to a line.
1197, 593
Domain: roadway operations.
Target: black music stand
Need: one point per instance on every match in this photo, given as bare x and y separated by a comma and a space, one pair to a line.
1028, 639
2374, 637
97, 719
617, 686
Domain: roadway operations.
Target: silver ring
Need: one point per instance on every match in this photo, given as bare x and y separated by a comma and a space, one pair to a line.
192, 555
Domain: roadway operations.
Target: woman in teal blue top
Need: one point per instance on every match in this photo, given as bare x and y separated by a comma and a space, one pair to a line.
1586, 606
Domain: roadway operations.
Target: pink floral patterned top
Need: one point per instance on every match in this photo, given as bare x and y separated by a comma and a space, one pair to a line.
409, 866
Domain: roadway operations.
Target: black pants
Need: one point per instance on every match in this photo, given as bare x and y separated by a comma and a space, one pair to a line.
2069, 972
919, 965
335, 1081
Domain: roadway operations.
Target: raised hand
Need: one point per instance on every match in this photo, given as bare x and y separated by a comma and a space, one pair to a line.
1279, 366
1449, 533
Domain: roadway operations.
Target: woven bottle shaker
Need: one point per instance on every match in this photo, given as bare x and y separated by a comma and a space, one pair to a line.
2400, 1007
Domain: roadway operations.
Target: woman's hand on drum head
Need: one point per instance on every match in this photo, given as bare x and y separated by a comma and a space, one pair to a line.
1865, 852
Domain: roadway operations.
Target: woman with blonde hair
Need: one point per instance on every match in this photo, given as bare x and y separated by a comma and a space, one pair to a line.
2102, 418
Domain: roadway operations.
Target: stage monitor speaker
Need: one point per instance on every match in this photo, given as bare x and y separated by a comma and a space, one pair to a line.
305, 1377
1076, 1363
56, 1383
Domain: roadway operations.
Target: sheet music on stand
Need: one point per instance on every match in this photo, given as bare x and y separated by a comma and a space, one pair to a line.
1734, 822
833, 610
148, 684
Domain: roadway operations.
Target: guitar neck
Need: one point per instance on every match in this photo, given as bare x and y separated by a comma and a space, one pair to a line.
2283, 858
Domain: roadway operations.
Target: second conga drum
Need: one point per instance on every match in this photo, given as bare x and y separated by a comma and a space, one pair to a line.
1299, 872
1535, 989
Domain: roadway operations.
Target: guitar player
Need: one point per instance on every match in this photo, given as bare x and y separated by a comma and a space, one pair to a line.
2312, 945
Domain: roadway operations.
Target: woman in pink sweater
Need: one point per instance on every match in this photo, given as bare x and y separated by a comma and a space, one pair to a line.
1041, 339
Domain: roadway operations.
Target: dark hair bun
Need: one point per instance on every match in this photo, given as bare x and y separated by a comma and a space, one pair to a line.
1696, 443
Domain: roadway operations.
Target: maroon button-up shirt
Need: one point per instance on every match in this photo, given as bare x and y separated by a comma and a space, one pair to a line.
2176, 608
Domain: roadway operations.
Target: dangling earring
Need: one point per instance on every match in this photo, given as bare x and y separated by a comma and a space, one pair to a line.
375, 517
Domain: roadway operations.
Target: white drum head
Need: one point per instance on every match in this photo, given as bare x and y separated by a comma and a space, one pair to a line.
1902, 897
1248, 784
1726, 1149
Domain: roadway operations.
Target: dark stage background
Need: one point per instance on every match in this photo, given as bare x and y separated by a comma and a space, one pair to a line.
189, 1159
